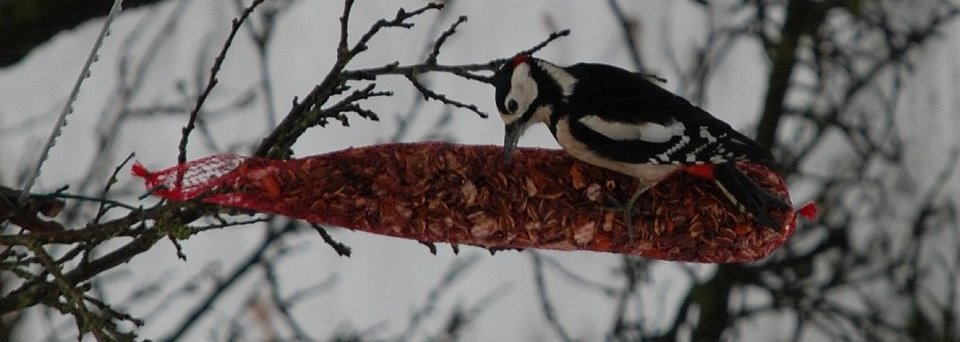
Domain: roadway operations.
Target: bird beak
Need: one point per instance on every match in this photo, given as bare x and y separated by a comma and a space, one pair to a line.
510, 139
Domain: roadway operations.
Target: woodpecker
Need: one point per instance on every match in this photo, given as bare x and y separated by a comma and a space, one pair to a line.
619, 120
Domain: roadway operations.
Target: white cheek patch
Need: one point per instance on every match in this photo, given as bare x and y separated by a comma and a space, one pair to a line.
523, 89
649, 132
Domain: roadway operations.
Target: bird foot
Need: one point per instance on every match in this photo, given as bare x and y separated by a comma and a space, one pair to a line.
627, 211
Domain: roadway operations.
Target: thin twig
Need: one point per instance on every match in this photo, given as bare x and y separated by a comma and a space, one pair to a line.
103, 208
454, 272
242, 269
546, 305
553, 36
103, 201
339, 247
212, 81
628, 27
432, 58
400, 20
284, 307
429, 94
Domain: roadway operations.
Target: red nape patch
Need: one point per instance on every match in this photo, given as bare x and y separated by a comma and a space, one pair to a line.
704, 171
519, 59
809, 211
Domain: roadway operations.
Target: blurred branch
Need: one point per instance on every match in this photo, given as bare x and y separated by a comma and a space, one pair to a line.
457, 269
802, 16
285, 305
261, 38
844, 76
630, 28
546, 304
242, 269
462, 318
131, 79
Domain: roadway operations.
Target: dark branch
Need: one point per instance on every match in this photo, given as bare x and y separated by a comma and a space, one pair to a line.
430, 95
339, 247
241, 270
546, 305
553, 36
212, 81
432, 58
629, 28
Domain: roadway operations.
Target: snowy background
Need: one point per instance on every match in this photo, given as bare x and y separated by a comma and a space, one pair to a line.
387, 279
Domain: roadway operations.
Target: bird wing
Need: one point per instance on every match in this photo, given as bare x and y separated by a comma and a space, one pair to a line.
625, 117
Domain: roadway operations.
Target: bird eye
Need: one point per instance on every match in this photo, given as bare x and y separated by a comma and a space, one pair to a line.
512, 105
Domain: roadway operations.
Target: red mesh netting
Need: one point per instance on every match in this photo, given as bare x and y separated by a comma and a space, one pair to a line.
192, 179
461, 194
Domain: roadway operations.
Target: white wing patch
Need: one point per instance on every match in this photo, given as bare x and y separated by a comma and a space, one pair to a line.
648, 173
649, 132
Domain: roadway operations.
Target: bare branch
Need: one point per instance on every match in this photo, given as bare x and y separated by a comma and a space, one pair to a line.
432, 58
553, 36
454, 272
546, 305
212, 81
429, 94
629, 28
241, 270
340, 248
400, 20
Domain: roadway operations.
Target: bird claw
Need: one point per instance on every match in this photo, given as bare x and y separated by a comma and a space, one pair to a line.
627, 211
614, 203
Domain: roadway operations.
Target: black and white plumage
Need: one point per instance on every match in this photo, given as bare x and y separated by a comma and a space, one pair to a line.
619, 120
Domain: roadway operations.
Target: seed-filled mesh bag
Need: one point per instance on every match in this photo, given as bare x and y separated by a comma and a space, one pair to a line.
466, 194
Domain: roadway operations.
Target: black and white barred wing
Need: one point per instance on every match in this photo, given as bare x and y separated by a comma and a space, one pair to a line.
698, 141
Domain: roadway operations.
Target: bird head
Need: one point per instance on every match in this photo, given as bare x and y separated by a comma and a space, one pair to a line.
527, 90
